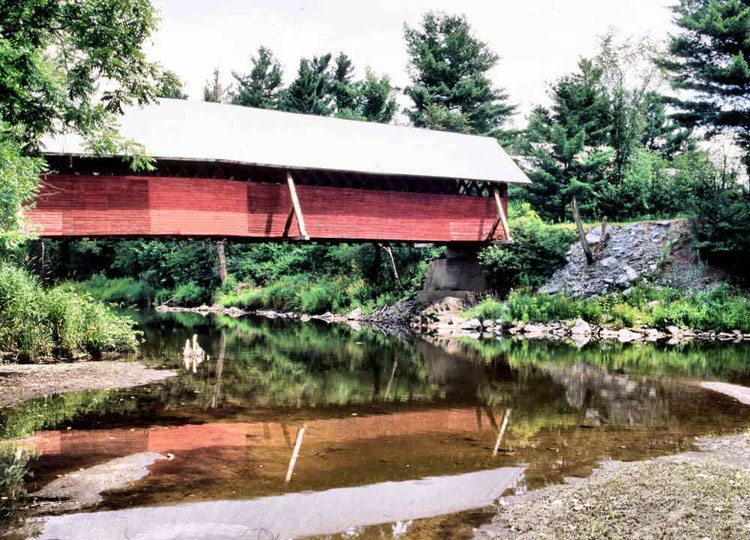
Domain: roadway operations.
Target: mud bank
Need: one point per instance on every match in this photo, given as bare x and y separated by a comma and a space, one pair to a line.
19, 382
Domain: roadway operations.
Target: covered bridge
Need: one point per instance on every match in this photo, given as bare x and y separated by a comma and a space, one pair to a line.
258, 175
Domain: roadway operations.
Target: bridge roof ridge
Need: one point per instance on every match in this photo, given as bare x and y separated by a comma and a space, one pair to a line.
213, 132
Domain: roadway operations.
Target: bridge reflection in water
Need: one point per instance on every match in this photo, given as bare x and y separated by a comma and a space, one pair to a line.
424, 422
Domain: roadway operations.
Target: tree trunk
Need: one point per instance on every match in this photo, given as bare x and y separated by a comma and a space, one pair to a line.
222, 261
584, 242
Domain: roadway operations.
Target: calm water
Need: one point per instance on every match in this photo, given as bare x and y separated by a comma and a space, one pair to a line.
392, 438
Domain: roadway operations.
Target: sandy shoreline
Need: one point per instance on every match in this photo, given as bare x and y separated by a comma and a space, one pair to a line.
19, 382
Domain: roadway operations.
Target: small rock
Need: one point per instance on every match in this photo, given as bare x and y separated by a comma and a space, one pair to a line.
488, 323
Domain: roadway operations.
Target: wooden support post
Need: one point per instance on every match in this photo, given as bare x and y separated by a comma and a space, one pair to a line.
501, 217
584, 242
296, 207
288, 224
295, 453
500, 433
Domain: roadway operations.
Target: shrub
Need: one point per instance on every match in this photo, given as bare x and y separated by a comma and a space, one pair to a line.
189, 294
537, 251
116, 290
36, 323
719, 310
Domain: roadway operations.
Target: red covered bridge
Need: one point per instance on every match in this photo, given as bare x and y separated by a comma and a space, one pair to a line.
256, 175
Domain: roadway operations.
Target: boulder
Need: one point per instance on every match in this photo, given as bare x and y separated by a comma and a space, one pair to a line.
534, 330
471, 324
627, 335
355, 314
581, 328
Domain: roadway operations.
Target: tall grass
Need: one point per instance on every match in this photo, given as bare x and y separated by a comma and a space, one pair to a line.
308, 294
36, 323
116, 290
720, 310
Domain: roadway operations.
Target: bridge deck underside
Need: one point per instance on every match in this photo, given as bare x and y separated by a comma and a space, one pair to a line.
75, 206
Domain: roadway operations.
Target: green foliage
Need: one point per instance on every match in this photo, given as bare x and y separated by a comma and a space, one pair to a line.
371, 100
19, 184
448, 68
709, 59
169, 85
537, 251
260, 88
311, 91
125, 290
606, 140
13, 472
37, 323
720, 310
53, 56
720, 207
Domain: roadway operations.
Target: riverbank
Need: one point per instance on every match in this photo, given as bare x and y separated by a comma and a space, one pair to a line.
692, 495
699, 494
20, 382
665, 311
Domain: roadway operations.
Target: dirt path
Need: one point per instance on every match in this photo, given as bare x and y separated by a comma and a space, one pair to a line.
21, 382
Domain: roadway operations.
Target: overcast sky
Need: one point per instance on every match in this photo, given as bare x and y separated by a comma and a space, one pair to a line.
537, 40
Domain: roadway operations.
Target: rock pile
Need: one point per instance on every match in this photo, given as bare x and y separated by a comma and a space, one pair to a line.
627, 256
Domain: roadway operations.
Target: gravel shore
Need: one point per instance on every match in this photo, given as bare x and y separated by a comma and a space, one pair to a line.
701, 494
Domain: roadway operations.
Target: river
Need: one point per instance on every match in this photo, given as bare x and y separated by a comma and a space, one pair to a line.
290, 429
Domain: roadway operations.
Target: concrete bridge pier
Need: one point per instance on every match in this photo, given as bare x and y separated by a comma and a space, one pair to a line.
457, 273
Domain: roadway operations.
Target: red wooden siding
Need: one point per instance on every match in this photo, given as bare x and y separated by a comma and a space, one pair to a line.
71, 206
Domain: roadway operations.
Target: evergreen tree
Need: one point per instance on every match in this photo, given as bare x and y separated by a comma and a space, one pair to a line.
310, 92
343, 88
169, 85
709, 59
448, 68
213, 90
262, 86
566, 144
376, 101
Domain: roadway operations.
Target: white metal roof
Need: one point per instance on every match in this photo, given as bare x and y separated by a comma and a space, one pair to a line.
199, 131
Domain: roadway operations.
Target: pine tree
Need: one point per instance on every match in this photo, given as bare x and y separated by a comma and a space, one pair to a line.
213, 90
448, 68
709, 59
343, 88
310, 92
566, 144
376, 102
261, 87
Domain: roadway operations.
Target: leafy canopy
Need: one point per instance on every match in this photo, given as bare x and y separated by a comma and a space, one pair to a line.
70, 64
66, 65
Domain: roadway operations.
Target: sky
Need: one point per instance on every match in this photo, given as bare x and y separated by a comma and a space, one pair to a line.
537, 40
